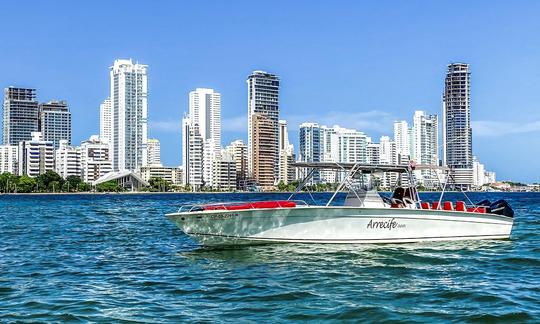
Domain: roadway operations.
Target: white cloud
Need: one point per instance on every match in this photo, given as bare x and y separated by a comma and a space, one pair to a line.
172, 126
373, 120
488, 128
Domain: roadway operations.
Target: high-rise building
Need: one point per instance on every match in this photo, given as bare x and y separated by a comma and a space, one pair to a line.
192, 154
224, 172
479, 173
20, 115
286, 155
36, 156
9, 158
154, 151
457, 132
265, 154
209, 155
105, 120
263, 114
373, 152
205, 111
55, 122
238, 151
329, 152
425, 133
203, 122
310, 149
351, 145
388, 155
129, 112
402, 138
95, 158
67, 160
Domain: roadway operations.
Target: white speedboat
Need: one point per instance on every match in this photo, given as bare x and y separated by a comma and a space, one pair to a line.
365, 217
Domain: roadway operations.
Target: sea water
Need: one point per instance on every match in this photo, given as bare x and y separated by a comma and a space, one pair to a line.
117, 257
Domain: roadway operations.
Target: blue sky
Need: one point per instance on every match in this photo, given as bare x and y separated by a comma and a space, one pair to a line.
359, 64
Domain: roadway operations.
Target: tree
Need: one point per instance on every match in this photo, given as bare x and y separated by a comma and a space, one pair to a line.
72, 183
159, 184
8, 182
281, 186
49, 181
26, 184
83, 186
109, 186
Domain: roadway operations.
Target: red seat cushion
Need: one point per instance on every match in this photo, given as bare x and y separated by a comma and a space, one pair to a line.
481, 210
256, 205
460, 206
435, 205
447, 205
425, 205
238, 207
214, 207
273, 204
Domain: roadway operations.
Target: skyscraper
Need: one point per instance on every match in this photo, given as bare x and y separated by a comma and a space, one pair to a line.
238, 150
310, 139
286, 152
105, 120
20, 115
192, 154
205, 111
402, 139
154, 151
265, 153
425, 133
201, 130
457, 132
129, 112
263, 114
55, 122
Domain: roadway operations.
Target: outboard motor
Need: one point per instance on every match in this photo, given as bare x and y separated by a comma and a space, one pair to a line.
483, 203
501, 207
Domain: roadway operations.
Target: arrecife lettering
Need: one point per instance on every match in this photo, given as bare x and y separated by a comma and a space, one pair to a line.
387, 224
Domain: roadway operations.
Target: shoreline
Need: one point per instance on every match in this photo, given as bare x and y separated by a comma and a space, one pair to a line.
218, 193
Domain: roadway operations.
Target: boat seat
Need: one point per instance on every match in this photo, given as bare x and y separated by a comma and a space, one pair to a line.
481, 210
447, 205
214, 207
460, 206
435, 205
254, 205
273, 204
425, 205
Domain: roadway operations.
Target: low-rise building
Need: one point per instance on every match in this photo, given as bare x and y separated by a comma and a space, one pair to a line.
9, 159
171, 174
67, 160
36, 156
224, 172
95, 158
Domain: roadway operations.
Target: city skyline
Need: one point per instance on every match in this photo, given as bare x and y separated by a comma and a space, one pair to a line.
503, 105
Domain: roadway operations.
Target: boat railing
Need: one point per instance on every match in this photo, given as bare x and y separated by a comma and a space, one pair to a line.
244, 204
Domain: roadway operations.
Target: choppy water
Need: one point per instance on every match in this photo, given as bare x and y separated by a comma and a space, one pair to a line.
116, 257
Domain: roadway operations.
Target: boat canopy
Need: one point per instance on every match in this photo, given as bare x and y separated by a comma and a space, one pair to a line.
367, 168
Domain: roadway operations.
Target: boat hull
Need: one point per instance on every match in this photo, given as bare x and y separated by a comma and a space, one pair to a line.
339, 225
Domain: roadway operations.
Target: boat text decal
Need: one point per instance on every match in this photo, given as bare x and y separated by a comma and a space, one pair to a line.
388, 224
223, 216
